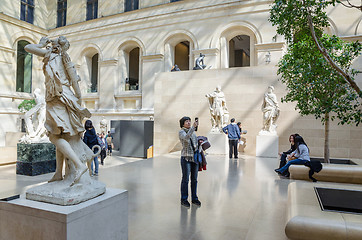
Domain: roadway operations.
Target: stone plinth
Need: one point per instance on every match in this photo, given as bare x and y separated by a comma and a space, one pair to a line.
104, 217
35, 158
61, 193
219, 143
267, 146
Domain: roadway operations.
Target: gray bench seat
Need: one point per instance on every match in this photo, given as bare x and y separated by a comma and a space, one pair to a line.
330, 173
306, 220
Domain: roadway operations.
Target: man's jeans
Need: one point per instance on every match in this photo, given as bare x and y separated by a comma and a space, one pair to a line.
189, 168
95, 160
233, 147
295, 162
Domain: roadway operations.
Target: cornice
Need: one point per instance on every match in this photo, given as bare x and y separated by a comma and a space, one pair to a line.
153, 58
6, 49
109, 62
268, 47
122, 20
23, 24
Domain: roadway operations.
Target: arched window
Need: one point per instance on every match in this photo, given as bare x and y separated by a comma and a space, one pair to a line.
132, 82
23, 68
94, 73
239, 51
62, 13
182, 55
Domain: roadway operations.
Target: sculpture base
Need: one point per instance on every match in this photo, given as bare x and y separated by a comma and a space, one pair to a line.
61, 193
35, 158
267, 146
104, 217
219, 143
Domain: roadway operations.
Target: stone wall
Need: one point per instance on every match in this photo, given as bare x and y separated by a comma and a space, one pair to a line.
179, 94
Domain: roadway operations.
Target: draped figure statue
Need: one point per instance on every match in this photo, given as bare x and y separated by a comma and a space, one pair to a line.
271, 111
64, 113
218, 110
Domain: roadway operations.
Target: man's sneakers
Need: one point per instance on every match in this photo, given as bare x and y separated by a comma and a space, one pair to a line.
185, 203
196, 202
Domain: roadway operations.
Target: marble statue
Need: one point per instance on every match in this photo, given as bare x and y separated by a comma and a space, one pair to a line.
64, 116
199, 63
103, 125
35, 120
271, 112
218, 110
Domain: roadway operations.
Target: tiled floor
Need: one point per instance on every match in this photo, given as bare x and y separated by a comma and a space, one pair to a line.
241, 199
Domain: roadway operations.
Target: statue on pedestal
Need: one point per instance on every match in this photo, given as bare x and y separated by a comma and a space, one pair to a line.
35, 120
199, 63
218, 110
64, 115
271, 111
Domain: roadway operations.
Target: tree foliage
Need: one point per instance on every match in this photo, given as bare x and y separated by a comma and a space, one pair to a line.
26, 105
312, 81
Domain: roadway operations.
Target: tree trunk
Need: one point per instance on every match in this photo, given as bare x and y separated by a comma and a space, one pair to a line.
326, 138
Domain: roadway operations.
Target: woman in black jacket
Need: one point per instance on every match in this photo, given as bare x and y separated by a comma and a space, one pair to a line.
283, 155
90, 138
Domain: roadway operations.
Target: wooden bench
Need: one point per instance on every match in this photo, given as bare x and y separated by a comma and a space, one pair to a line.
330, 173
306, 220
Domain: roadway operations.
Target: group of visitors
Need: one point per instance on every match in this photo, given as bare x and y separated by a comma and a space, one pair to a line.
298, 154
91, 139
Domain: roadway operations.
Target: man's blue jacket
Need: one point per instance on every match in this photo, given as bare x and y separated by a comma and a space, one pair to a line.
232, 131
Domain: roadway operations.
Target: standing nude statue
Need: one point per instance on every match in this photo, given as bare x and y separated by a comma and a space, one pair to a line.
218, 110
270, 110
64, 113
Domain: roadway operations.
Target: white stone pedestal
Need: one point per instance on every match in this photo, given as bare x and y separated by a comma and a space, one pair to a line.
267, 145
104, 217
219, 143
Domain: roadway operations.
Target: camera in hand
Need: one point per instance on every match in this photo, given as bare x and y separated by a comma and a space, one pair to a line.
196, 120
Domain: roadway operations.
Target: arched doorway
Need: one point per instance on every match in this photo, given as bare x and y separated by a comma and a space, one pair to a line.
239, 51
132, 82
182, 55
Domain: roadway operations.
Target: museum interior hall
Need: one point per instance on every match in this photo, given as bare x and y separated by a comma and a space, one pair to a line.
180, 119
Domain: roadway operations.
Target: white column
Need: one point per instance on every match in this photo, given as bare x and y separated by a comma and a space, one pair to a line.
169, 56
224, 59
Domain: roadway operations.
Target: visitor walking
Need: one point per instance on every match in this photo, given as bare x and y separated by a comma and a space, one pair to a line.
103, 144
109, 139
90, 138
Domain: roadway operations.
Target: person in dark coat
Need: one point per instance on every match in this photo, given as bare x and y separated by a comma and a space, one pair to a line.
283, 155
90, 138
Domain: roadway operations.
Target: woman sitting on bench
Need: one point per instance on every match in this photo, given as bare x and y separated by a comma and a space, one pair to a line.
300, 156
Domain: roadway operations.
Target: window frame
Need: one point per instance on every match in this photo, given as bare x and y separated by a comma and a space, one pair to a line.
131, 5
27, 8
61, 13
92, 9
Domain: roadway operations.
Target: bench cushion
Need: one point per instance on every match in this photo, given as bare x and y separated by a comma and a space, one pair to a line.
330, 173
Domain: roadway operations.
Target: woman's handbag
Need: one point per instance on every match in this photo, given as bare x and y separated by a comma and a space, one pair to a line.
197, 154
